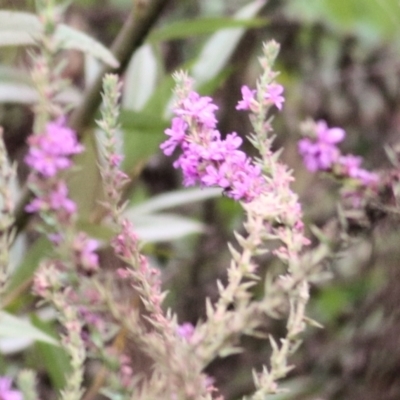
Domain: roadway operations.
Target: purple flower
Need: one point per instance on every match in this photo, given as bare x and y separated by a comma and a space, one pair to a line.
247, 98
218, 150
273, 94
216, 175
351, 165
51, 150
321, 153
190, 163
206, 159
36, 205
85, 252
58, 199
185, 330
177, 136
45, 163
329, 135
199, 108
318, 155
6, 393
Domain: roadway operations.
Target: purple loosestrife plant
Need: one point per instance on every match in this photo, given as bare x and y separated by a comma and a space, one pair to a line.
272, 213
49, 154
176, 374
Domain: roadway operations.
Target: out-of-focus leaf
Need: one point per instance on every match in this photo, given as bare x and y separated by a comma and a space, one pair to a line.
163, 227
27, 268
55, 359
141, 121
202, 26
143, 134
220, 47
17, 93
14, 92
70, 38
11, 74
174, 199
18, 28
159, 101
21, 29
331, 303
140, 79
86, 185
11, 326
372, 21
92, 69
96, 231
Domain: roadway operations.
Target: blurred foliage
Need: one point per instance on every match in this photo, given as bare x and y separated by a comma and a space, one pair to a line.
339, 61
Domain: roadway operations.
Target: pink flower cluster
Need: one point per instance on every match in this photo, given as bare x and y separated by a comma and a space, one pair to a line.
51, 151
56, 200
322, 154
206, 158
272, 96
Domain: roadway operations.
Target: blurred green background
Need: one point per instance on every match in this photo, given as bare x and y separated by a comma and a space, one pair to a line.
339, 61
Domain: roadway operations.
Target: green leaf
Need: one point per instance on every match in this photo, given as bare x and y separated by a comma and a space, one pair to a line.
143, 134
141, 121
14, 75
174, 199
140, 79
19, 28
96, 231
163, 227
55, 359
25, 271
85, 186
157, 104
22, 29
202, 26
371, 21
11, 326
219, 48
70, 38
17, 93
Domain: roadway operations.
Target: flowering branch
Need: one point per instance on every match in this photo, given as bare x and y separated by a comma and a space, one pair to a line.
272, 213
176, 373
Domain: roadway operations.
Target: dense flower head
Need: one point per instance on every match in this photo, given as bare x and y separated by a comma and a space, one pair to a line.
51, 150
207, 159
198, 108
321, 153
6, 393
